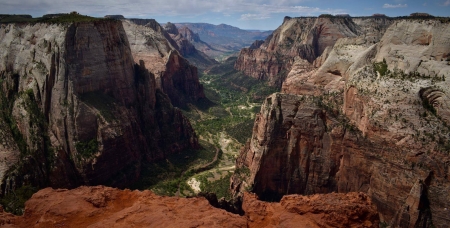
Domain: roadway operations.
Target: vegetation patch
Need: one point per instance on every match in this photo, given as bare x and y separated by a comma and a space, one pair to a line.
166, 177
87, 149
242, 131
104, 103
14, 201
381, 67
220, 187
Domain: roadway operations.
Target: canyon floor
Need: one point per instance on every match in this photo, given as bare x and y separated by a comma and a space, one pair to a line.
223, 122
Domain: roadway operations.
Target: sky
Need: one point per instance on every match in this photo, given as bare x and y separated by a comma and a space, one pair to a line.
245, 14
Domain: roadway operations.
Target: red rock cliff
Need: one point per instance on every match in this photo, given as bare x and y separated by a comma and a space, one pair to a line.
306, 38
298, 147
371, 117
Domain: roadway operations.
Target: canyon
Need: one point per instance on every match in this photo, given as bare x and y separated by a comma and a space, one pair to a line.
356, 136
363, 107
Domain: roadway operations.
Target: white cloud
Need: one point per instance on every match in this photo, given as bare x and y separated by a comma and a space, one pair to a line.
395, 6
249, 9
447, 3
265, 11
249, 16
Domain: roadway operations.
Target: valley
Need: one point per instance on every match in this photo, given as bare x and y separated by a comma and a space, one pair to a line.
223, 122
331, 121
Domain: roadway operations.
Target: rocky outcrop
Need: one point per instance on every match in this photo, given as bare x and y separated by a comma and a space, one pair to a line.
160, 54
189, 34
256, 44
116, 16
78, 110
364, 116
185, 40
436, 101
180, 80
306, 38
170, 28
183, 45
108, 207
328, 210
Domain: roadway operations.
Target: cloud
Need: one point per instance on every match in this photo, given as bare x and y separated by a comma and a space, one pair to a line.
447, 3
249, 16
248, 9
389, 6
265, 11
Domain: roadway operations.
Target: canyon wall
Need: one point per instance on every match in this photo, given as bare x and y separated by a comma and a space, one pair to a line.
305, 38
370, 114
77, 109
187, 43
174, 75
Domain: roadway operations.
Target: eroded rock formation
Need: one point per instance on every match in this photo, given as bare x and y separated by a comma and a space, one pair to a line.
108, 207
370, 114
185, 40
307, 38
174, 75
78, 110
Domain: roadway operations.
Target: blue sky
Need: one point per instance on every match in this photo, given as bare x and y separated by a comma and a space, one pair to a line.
246, 14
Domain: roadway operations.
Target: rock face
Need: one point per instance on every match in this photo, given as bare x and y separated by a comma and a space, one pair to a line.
78, 110
108, 207
185, 40
183, 45
364, 116
256, 44
329, 210
174, 75
307, 38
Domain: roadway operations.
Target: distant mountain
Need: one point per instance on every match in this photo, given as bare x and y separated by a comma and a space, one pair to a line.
189, 45
223, 39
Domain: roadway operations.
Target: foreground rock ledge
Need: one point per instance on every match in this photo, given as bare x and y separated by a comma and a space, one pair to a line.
109, 207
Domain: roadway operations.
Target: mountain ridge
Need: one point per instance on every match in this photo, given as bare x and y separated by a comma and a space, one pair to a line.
224, 39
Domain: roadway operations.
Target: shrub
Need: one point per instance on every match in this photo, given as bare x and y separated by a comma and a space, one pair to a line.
87, 149
381, 67
14, 201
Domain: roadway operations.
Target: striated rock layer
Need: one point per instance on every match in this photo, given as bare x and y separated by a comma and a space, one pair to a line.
174, 75
306, 38
76, 109
108, 207
365, 116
